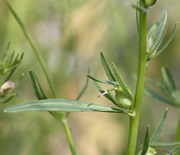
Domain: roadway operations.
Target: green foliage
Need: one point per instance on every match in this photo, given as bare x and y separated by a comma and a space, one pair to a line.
151, 142
63, 105
36, 86
159, 128
156, 35
122, 96
146, 141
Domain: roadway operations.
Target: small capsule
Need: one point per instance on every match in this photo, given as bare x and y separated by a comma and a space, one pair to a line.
125, 102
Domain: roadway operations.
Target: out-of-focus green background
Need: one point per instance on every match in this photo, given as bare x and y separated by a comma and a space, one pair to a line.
71, 34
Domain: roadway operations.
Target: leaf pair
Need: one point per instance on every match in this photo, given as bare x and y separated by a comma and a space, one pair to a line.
120, 95
156, 35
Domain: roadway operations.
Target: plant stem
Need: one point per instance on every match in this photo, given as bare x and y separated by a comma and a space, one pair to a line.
178, 135
34, 49
69, 136
134, 121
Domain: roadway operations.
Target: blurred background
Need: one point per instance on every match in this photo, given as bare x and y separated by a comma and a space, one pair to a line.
71, 34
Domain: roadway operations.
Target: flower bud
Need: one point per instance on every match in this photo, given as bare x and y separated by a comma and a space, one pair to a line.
149, 3
6, 87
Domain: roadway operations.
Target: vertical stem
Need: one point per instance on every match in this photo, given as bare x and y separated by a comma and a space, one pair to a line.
178, 135
69, 136
134, 121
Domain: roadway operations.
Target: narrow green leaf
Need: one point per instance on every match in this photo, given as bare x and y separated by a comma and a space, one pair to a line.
102, 81
107, 68
156, 33
63, 105
159, 128
83, 89
168, 79
121, 83
167, 42
161, 144
36, 86
146, 141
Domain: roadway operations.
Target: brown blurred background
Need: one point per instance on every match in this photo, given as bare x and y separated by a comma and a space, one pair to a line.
71, 34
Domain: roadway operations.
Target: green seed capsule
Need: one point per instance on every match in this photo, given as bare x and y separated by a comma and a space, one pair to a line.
125, 102
149, 3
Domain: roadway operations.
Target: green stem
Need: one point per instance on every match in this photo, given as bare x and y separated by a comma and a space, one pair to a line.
69, 136
178, 135
134, 121
32, 44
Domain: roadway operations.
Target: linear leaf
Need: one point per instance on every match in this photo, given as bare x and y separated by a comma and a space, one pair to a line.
120, 81
157, 32
107, 68
167, 42
102, 81
83, 89
36, 86
168, 79
146, 141
159, 128
63, 105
